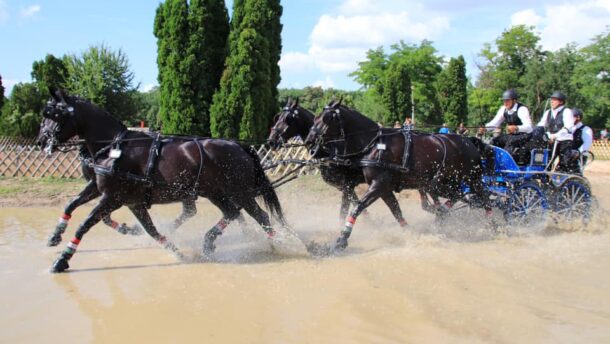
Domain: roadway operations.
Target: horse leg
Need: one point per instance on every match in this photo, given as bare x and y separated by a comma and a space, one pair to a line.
189, 209
121, 228
140, 212
425, 202
376, 190
230, 212
89, 192
105, 207
254, 210
392, 203
347, 198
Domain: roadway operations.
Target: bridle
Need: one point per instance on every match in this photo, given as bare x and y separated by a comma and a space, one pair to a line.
59, 113
282, 118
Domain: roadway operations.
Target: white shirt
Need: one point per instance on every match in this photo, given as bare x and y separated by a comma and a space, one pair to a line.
523, 114
568, 122
587, 137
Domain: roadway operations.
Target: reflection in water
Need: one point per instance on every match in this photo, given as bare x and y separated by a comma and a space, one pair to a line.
456, 283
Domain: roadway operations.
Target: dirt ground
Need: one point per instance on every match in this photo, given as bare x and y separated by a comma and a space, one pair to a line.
459, 283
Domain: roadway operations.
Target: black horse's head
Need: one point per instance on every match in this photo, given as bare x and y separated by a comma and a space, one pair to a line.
291, 121
58, 121
327, 126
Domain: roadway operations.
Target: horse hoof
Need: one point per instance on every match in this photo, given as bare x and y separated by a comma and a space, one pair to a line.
60, 265
54, 240
340, 244
208, 248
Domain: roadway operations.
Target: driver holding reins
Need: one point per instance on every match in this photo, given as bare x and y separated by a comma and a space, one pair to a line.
558, 123
518, 124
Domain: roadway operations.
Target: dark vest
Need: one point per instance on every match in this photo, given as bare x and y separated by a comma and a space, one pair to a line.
577, 138
555, 124
514, 118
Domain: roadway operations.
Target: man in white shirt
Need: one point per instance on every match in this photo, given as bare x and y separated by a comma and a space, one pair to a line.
582, 135
558, 122
518, 125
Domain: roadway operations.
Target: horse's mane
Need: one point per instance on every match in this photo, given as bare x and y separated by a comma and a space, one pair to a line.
357, 115
94, 107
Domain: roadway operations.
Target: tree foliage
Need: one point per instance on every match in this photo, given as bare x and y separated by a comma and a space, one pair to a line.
2, 99
103, 77
419, 63
21, 114
191, 51
49, 73
247, 99
453, 92
396, 95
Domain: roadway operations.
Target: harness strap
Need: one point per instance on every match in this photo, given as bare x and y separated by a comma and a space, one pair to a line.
407, 149
153, 153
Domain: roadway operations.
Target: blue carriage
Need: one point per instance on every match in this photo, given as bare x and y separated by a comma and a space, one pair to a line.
528, 194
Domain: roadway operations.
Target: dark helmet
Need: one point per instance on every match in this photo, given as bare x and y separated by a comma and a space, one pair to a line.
510, 94
559, 95
577, 112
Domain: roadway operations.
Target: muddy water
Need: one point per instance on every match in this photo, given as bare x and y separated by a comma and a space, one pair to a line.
458, 283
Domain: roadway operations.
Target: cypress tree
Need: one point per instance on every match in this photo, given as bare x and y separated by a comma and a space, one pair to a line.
1, 93
452, 91
177, 113
247, 98
396, 94
209, 28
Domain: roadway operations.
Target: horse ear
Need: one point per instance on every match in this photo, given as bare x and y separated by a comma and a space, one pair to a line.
296, 102
60, 96
337, 104
53, 94
288, 102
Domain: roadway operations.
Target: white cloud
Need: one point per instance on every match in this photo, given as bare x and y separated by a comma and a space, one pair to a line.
326, 83
568, 22
147, 87
526, 17
295, 61
3, 11
29, 11
339, 41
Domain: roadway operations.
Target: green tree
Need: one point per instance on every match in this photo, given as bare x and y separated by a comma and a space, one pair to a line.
148, 108
49, 73
21, 114
247, 99
103, 77
209, 29
176, 63
591, 79
396, 93
506, 64
453, 93
2, 99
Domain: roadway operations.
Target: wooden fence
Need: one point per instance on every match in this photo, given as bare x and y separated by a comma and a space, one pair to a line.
22, 158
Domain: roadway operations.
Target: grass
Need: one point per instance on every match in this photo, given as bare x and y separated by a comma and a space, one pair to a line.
35, 188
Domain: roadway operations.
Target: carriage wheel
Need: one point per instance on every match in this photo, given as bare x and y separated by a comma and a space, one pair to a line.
527, 206
573, 201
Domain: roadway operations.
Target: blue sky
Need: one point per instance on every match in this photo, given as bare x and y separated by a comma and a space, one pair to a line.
323, 40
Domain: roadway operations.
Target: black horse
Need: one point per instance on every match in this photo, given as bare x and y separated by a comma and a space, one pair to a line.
91, 192
434, 164
136, 169
295, 120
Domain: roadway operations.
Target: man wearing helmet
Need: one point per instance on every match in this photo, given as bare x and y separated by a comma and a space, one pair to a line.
518, 125
582, 134
558, 122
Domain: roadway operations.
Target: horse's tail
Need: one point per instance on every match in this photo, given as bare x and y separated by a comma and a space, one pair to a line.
265, 189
